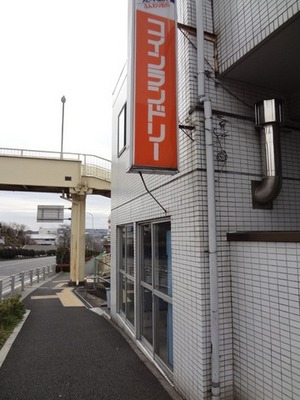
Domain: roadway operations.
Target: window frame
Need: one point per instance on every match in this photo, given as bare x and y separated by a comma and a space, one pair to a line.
122, 113
156, 293
125, 274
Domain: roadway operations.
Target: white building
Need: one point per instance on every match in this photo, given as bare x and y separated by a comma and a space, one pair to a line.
234, 334
44, 238
48, 231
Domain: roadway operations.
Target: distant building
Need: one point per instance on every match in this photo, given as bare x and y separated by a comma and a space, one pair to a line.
97, 232
47, 231
109, 224
44, 239
44, 236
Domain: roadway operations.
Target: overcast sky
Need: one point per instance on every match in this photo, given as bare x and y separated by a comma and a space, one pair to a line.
51, 48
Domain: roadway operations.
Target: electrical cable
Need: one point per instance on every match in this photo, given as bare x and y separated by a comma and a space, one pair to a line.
151, 193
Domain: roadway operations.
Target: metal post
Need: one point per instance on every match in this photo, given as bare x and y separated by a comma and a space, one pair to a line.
84, 164
92, 229
63, 100
31, 276
22, 275
12, 284
38, 275
77, 261
1, 290
92, 219
44, 273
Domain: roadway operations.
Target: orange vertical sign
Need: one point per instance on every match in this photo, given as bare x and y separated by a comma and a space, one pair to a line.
155, 88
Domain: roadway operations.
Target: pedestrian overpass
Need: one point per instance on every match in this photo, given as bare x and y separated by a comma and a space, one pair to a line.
72, 175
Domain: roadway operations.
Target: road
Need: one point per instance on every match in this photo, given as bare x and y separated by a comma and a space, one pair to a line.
12, 267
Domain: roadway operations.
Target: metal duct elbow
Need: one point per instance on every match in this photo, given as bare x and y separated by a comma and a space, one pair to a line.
268, 115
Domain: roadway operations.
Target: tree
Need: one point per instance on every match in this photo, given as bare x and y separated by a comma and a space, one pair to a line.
64, 244
14, 234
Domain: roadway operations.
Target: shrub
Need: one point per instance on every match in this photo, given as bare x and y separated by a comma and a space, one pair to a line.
63, 255
51, 252
11, 312
8, 253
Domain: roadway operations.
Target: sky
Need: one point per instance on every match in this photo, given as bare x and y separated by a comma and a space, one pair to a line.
50, 49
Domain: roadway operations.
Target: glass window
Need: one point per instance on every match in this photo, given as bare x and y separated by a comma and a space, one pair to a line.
123, 293
147, 323
146, 260
126, 272
123, 242
155, 266
122, 130
130, 301
162, 259
164, 339
129, 250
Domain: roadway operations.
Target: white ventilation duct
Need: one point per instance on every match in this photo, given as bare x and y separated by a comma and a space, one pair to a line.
268, 116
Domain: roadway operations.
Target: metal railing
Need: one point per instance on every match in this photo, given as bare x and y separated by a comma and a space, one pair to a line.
101, 278
91, 165
102, 264
92, 284
11, 285
94, 280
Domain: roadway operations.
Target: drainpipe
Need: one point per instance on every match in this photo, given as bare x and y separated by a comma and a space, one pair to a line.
211, 206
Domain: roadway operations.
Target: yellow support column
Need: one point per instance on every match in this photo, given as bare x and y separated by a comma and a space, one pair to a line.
77, 256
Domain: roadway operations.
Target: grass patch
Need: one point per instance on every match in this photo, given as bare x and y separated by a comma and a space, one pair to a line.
11, 313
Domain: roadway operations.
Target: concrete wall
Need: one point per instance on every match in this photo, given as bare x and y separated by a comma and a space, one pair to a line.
39, 172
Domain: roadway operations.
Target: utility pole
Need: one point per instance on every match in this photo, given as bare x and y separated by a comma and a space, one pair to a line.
92, 229
63, 100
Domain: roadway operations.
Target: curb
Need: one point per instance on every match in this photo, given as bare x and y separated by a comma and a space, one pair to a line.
89, 306
7, 345
12, 337
29, 289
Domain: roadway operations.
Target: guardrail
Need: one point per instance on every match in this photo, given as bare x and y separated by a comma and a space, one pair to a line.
11, 285
91, 283
93, 166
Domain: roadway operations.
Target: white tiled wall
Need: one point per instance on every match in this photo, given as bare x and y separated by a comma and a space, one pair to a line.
266, 323
184, 198
241, 24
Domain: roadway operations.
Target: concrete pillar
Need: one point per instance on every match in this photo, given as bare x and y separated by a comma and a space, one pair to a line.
77, 256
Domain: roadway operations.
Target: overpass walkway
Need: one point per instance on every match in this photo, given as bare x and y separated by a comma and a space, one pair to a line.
54, 172
73, 175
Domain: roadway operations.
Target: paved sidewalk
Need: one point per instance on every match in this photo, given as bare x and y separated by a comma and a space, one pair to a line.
66, 351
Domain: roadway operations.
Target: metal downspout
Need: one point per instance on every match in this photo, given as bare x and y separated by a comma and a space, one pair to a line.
211, 206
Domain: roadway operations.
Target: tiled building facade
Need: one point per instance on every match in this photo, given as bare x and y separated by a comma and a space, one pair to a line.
250, 55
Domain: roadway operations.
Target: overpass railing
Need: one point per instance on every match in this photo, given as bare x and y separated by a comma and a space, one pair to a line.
91, 165
11, 285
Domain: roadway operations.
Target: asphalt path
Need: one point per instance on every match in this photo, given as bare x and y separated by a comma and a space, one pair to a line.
71, 353
12, 267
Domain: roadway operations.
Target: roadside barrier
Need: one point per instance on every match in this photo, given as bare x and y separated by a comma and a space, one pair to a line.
11, 285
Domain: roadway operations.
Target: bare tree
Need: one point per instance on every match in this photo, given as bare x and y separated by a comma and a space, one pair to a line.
14, 234
64, 244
